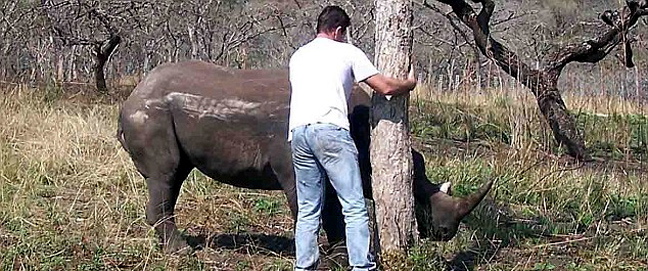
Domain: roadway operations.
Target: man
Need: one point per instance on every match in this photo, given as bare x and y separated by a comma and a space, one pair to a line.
322, 74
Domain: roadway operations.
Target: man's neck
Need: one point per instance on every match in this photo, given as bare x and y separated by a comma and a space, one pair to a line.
326, 36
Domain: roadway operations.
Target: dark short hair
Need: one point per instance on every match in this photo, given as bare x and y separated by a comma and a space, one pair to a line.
331, 18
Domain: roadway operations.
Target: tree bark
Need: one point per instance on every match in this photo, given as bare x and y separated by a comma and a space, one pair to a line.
102, 54
391, 157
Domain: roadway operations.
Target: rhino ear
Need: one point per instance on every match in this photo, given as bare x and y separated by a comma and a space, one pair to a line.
445, 188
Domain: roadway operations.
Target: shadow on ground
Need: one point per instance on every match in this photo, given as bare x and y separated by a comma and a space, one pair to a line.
250, 242
268, 245
496, 229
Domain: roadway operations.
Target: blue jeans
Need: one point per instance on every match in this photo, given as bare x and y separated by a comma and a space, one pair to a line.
320, 151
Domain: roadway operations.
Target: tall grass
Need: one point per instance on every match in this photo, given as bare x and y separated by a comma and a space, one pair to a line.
612, 126
70, 198
546, 211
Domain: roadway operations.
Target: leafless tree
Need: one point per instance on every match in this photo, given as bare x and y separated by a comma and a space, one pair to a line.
96, 24
543, 81
391, 157
17, 24
263, 34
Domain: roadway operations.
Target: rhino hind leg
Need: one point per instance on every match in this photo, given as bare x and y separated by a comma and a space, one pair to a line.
160, 209
157, 156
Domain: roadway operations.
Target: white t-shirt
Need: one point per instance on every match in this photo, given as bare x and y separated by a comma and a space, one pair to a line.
322, 73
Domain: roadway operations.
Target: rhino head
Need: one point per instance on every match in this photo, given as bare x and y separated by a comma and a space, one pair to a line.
438, 213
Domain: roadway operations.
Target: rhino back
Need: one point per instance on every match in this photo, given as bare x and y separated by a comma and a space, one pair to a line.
231, 124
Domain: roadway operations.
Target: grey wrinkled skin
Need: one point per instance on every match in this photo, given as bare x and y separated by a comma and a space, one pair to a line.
232, 126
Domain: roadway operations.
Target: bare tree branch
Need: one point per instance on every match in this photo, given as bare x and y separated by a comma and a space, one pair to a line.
543, 82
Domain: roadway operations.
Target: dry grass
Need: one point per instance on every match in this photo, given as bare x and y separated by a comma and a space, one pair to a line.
546, 213
70, 197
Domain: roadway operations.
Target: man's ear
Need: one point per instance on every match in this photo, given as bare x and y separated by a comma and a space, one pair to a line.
339, 33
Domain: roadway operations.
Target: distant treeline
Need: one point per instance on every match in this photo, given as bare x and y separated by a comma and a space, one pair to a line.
54, 40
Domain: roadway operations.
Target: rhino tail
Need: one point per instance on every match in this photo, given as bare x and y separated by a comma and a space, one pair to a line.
120, 134
467, 204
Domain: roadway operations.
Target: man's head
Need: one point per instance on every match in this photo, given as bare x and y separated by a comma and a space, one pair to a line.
333, 22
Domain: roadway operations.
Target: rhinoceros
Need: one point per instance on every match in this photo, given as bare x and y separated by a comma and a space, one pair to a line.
232, 126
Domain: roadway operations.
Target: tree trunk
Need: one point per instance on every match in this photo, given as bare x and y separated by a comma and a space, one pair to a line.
60, 73
102, 54
391, 157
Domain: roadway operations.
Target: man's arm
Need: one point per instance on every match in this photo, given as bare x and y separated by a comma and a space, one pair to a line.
391, 86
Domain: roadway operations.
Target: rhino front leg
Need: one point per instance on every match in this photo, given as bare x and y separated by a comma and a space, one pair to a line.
332, 218
282, 167
334, 227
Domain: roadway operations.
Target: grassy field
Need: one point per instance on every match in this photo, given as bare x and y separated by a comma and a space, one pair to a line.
70, 198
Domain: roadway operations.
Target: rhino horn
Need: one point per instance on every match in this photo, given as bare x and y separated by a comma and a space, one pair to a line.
465, 205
